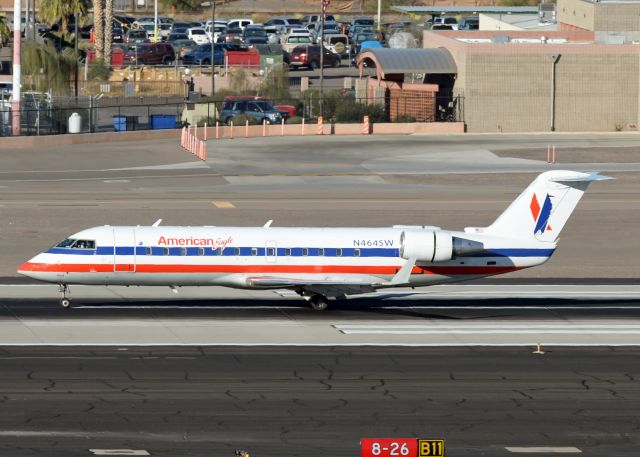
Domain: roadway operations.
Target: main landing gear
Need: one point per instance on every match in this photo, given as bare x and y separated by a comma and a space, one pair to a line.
65, 302
319, 302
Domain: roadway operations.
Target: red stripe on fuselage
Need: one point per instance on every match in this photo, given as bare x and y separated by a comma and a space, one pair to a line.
311, 269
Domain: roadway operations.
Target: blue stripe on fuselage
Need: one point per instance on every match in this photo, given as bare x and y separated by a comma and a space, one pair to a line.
283, 252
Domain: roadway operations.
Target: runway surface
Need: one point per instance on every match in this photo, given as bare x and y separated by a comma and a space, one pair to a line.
199, 401
457, 315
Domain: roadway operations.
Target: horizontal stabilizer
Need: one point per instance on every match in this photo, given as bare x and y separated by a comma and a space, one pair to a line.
587, 177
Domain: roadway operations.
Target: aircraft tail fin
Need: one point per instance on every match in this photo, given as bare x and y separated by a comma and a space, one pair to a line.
542, 209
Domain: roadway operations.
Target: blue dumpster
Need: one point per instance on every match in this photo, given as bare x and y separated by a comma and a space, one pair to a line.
163, 121
125, 123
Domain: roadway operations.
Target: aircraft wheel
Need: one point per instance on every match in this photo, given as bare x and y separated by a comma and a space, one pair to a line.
65, 303
319, 302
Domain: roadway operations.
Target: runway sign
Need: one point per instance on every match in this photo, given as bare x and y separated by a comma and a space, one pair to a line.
401, 447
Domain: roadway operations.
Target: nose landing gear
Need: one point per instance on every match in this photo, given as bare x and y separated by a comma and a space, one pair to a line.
65, 302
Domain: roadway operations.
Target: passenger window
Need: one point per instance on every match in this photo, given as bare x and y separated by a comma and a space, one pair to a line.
236, 251
218, 251
148, 251
200, 251
271, 251
321, 252
183, 251
339, 252
356, 252
287, 252
305, 252
165, 251
254, 251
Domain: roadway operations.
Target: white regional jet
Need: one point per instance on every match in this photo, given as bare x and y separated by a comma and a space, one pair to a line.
317, 263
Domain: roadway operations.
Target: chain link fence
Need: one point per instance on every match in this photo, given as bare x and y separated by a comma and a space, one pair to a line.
107, 114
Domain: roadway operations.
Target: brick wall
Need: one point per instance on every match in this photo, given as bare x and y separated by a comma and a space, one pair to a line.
419, 104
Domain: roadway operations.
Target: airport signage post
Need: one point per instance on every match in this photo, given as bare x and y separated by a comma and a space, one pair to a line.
401, 447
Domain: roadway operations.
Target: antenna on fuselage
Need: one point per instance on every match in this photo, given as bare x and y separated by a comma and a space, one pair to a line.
157, 223
268, 224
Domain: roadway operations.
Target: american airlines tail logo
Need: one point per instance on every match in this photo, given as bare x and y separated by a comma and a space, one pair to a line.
541, 216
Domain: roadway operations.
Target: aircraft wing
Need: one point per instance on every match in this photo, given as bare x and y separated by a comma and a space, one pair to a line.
328, 288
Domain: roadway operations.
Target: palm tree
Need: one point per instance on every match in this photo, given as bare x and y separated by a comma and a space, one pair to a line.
47, 69
108, 30
52, 11
98, 28
5, 31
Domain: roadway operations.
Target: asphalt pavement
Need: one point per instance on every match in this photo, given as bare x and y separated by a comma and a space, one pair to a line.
61, 402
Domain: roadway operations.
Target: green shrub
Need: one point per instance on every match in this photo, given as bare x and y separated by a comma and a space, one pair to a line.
352, 111
405, 118
242, 120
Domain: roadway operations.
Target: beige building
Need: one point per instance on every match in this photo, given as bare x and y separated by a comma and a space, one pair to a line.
564, 81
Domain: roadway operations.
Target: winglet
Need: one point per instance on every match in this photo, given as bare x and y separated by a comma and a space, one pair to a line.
404, 274
268, 223
157, 223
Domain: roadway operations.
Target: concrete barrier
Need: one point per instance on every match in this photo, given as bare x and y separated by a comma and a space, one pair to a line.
224, 132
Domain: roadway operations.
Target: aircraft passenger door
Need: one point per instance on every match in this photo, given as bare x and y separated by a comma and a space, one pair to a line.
271, 251
124, 250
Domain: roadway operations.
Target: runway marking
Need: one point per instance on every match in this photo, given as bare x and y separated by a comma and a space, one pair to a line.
118, 452
544, 450
113, 181
223, 204
499, 328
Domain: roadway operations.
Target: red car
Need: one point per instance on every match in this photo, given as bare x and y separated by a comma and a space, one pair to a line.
309, 56
150, 54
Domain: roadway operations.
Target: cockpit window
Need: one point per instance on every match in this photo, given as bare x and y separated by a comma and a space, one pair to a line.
77, 244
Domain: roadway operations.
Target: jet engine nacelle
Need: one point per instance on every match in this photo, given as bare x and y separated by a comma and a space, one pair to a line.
427, 245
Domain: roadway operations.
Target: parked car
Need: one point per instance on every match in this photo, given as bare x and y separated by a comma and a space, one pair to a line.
261, 109
469, 23
253, 34
239, 23
309, 57
182, 47
136, 36
150, 54
201, 55
295, 39
198, 35
337, 43
316, 18
177, 36
230, 36
446, 20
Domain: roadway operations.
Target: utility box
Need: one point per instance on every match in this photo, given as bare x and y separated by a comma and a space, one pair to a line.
75, 123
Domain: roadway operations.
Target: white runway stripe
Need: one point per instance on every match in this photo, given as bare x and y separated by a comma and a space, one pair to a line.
544, 450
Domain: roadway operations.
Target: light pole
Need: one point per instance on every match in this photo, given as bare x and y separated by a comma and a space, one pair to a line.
325, 3
155, 21
213, 45
554, 59
17, 69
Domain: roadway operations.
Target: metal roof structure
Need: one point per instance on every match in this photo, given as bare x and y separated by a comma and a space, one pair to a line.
394, 61
437, 10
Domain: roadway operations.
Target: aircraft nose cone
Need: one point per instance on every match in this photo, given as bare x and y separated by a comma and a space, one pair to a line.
27, 268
